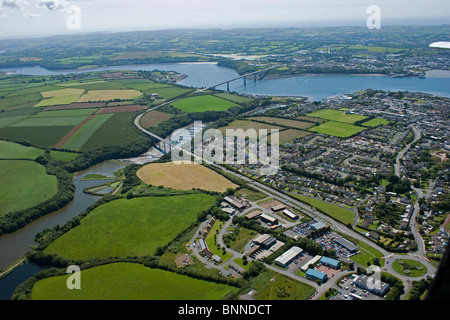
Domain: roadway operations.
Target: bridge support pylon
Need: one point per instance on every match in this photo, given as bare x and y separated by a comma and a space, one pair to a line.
228, 86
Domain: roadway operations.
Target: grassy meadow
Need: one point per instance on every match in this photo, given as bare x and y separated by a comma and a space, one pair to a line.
130, 227
336, 212
24, 184
337, 129
129, 281
336, 115
203, 103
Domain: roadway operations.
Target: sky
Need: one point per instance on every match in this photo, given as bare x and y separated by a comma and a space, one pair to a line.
29, 18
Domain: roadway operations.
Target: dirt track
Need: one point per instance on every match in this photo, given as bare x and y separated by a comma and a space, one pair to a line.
72, 132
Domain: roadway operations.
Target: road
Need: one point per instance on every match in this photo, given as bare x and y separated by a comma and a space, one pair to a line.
337, 226
401, 153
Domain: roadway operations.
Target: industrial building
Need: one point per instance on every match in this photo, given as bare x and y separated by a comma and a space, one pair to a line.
278, 207
310, 262
288, 256
235, 202
265, 241
253, 214
329, 262
346, 244
316, 275
268, 219
372, 285
290, 214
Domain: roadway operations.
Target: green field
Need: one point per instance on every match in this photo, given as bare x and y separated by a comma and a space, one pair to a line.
65, 113
80, 137
133, 227
203, 103
9, 121
129, 281
53, 118
24, 184
336, 212
233, 97
337, 129
270, 285
336, 115
45, 137
375, 122
117, 130
10, 150
167, 92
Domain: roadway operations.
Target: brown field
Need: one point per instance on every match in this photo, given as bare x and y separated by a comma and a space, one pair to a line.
154, 117
292, 134
183, 177
129, 108
317, 120
83, 105
285, 122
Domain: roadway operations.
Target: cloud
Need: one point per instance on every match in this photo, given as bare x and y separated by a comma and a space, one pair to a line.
32, 15
56, 5
13, 4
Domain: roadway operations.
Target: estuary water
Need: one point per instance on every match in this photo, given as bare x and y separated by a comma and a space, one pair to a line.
313, 86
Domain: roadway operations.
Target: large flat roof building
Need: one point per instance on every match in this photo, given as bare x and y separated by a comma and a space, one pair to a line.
290, 214
346, 244
371, 284
288, 256
329, 262
316, 275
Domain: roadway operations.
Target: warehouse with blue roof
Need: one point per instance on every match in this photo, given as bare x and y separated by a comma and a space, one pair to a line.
329, 262
316, 275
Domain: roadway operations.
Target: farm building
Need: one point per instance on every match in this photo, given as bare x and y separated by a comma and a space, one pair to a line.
329, 262
278, 207
377, 287
288, 256
268, 219
346, 244
235, 202
316, 275
228, 210
290, 214
253, 214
